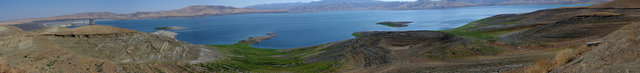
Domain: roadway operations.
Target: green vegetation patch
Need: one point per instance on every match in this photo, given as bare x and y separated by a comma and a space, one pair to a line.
463, 50
481, 34
470, 26
475, 46
485, 34
395, 24
244, 58
356, 34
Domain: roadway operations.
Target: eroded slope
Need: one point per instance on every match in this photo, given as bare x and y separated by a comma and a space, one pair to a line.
99, 48
618, 53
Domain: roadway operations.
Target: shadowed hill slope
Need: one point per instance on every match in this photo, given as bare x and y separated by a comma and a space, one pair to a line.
382, 49
593, 39
618, 52
586, 26
551, 27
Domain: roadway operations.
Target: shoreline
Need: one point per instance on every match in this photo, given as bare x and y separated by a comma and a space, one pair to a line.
35, 23
9, 22
188, 18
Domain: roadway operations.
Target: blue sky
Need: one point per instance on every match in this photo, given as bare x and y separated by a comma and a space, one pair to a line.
19, 9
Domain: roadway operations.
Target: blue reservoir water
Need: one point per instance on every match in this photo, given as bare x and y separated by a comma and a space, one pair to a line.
314, 28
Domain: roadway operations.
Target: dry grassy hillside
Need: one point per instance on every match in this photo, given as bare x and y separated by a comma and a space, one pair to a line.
619, 52
616, 53
98, 48
619, 4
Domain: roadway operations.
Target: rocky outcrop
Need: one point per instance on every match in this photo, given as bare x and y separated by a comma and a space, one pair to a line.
6, 31
99, 48
165, 33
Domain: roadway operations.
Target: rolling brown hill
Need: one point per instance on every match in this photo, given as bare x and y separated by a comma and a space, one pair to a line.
199, 10
619, 4
617, 53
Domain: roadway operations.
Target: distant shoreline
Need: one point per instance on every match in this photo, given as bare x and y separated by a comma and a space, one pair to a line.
37, 24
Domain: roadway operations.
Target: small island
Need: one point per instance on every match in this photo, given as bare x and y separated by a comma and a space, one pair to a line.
257, 39
171, 28
395, 24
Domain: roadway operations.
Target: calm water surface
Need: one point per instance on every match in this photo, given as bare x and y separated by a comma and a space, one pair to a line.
314, 28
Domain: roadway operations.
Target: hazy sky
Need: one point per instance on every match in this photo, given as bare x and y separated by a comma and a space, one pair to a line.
19, 9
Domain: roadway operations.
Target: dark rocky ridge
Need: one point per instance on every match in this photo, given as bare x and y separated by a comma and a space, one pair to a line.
382, 48
561, 26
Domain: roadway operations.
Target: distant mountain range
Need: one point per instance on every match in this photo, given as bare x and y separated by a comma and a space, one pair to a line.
330, 5
324, 5
199, 10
